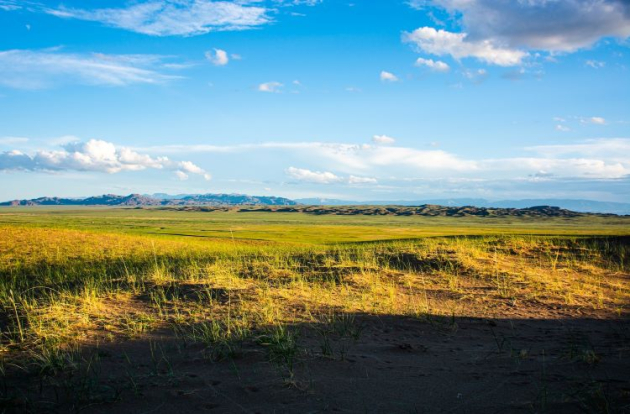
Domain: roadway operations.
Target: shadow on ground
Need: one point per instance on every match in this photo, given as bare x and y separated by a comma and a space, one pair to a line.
354, 363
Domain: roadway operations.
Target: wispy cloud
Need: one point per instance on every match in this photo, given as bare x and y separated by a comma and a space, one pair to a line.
35, 69
595, 64
318, 177
353, 179
173, 17
13, 140
475, 75
562, 128
9, 7
597, 120
326, 177
383, 139
599, 158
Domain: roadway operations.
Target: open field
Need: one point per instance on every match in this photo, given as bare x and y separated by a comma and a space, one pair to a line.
140, 310
300, 228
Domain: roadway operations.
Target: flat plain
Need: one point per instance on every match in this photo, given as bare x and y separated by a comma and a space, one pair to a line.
147, 310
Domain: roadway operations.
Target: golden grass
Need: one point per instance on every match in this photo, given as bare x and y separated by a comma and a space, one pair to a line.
64, 288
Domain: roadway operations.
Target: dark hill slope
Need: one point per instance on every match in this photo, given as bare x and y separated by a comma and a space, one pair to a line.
423, 210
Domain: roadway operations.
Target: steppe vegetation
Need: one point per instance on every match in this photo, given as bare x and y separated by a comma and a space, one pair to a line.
141, 310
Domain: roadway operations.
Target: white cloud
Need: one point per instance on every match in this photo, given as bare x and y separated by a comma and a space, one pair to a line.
325, 177
301, 2
271, 87
615, 149
546, 25
475, 76
217, 57
361, 180
562, 128
188, 166
595, 64
571, 167
388, 77
348, 157
173, 17
182, 176
26, 69
309, 176
600, 158
13, 140
96, 155
435, 65
459, 46
596, 120
93, 155
383, 139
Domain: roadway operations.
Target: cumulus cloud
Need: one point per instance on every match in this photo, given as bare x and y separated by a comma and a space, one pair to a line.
388, 77
93, 155
27, 69
270, 87
325, 177
173, 17
15, 160
383, 139
217, 57
435, 65
188, 166
460, 45
546, 25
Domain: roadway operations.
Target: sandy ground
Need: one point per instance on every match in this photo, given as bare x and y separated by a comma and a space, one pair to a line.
398, 365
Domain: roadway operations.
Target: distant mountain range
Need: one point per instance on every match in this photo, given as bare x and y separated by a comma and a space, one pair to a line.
160, 199
144, 200
584, 206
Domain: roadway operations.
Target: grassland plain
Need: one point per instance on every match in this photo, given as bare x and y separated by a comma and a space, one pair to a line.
142, 310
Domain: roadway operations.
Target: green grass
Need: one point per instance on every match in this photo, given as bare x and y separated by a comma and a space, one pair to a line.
298, 227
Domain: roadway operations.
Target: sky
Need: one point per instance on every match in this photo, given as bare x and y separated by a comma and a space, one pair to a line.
357, 100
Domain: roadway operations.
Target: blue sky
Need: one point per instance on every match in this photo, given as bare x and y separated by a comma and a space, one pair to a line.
363, 100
